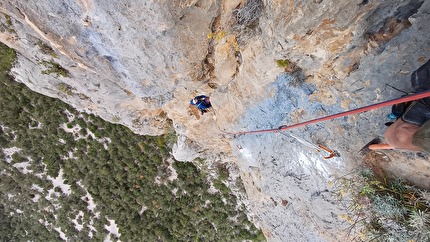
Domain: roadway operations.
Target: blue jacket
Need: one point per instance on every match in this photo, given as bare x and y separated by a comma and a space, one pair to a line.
202, 102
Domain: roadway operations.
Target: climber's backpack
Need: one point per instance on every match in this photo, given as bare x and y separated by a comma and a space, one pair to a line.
417, 112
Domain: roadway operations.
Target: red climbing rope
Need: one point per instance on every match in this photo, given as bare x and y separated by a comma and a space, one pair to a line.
342, 114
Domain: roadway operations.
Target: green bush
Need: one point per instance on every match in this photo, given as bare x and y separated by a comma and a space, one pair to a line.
46, 49
282, 63
54, 68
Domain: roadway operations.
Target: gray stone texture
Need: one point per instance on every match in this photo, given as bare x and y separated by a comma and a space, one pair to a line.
139, 63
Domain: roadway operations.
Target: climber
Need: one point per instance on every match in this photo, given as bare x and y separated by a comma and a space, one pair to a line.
411, 130
202, 102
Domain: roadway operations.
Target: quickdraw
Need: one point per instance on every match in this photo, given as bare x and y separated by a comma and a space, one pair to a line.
319, 148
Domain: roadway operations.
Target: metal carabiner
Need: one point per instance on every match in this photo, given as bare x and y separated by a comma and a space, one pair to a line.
331, 152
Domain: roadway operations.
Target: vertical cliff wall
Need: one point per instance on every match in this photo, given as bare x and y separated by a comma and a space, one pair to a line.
139, 63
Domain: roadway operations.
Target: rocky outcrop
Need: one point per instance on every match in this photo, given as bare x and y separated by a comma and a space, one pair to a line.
139, 64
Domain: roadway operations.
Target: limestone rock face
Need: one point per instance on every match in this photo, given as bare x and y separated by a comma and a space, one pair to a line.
124, 61
264, 63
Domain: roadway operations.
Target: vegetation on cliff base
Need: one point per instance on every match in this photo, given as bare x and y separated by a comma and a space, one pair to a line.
66, 174
380, 209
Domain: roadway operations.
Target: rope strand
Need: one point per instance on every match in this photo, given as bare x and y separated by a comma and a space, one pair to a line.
409, 98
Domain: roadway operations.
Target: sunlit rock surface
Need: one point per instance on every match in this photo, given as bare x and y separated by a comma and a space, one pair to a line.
139, 64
